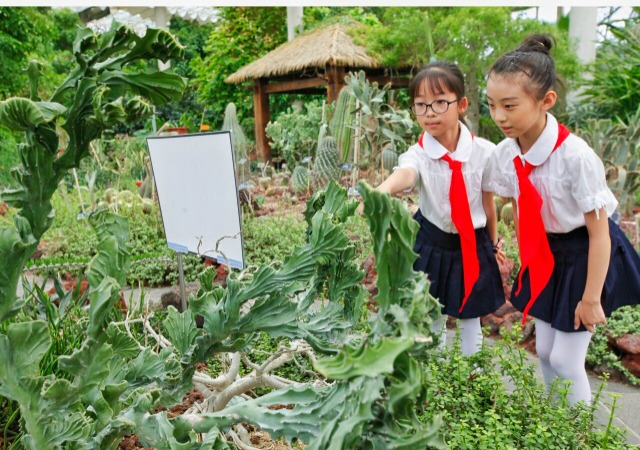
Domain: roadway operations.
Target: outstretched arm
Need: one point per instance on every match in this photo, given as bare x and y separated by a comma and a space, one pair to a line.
400, 180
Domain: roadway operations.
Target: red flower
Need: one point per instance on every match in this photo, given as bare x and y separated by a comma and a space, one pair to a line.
138, 183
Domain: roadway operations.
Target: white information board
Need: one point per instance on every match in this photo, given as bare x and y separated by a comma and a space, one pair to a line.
196, 184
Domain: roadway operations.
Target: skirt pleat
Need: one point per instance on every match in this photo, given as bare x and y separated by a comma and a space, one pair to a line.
558, 301
440, 256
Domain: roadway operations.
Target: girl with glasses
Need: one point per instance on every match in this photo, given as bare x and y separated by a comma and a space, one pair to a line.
457, 241
577, 265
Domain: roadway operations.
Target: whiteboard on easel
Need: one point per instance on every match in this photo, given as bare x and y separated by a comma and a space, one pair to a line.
196, 184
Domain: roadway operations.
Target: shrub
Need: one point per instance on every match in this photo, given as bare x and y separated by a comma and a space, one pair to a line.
494, 400
625, 320
294, 134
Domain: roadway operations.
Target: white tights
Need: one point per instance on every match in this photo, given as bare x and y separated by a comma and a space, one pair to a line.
470, 334
563, 355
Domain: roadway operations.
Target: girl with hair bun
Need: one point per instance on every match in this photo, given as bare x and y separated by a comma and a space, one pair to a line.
577, 265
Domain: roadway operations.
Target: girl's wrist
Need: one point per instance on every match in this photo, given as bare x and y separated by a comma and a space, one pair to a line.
590, 300
498, 245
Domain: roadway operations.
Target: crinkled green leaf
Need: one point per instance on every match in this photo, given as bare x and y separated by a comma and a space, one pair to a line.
393, 233
369, 360
21, 350
123, 345
180, 329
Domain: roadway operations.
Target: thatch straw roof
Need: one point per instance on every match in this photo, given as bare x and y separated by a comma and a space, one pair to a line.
328, 45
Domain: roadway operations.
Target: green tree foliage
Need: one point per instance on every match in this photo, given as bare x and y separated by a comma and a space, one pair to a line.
320, 15
188, 110
241, 35
22, 32
43, 34
614, 88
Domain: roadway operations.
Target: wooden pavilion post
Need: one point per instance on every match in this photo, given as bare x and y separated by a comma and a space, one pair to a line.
262, 115
335, 82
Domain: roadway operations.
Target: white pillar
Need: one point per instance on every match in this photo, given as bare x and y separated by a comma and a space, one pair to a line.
161, 19
583, 30
294, 21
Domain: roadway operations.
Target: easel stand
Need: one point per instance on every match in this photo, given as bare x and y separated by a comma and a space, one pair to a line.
183, 295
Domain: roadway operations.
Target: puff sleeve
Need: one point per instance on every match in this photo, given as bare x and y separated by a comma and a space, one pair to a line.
589, 185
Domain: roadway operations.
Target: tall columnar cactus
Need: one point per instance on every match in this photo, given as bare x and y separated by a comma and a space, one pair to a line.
97, 95
342, 122
325, 167
300, 179
231, 123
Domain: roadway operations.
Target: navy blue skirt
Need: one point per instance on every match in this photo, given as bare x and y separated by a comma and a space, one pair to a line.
440, 256
558, 301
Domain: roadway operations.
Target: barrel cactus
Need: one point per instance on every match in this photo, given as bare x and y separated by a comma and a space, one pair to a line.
389, 157
326, 167
506, 213
499, 202
300, 179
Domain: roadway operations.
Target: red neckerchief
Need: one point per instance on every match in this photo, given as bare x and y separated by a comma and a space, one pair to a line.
535, 253
461, 216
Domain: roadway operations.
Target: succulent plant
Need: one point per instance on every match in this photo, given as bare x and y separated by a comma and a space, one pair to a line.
389, 156
300, 179
506, 213
499, 202
326, 167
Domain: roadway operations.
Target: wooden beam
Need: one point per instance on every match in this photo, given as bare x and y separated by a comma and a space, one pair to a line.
295, 85
262, 115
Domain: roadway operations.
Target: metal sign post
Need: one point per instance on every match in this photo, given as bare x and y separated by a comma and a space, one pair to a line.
183, 295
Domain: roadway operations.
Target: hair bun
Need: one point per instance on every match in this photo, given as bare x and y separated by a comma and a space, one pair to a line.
537, 43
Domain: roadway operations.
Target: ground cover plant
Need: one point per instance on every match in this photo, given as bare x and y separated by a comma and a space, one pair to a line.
495, 400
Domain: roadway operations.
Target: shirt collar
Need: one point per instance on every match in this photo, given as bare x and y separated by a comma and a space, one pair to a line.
542, 148
435, 150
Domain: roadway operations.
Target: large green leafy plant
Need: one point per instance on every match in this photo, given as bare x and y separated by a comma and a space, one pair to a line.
97, 94
377, 384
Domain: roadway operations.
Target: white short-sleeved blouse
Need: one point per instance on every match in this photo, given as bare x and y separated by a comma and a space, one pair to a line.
571, 180
434, 176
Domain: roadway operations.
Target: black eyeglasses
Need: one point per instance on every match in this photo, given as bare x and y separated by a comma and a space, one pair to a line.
438, 107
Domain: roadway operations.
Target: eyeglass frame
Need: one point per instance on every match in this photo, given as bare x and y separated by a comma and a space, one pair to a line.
430, 105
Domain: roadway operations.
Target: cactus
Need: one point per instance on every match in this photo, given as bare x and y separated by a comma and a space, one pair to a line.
499, 202
389, 156
506, 213
300, 179
238, 140
114, 200
341, 124
618, 147
326, 167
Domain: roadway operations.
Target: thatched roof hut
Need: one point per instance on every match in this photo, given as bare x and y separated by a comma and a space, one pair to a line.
310, 63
